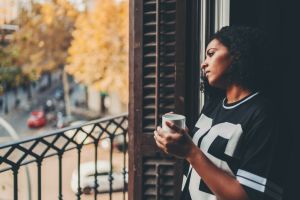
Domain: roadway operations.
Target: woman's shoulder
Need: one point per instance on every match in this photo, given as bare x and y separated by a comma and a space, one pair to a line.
264, 107
264, 103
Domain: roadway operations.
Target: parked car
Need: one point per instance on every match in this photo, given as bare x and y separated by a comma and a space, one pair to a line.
36, 119
87, 178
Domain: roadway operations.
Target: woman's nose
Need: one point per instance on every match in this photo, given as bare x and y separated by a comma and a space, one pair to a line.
203, 65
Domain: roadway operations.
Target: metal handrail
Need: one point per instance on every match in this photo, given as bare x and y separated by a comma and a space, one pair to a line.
74, 137
60, 131
11, 131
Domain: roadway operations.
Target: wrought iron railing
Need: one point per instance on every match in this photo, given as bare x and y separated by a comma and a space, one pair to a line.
57, 143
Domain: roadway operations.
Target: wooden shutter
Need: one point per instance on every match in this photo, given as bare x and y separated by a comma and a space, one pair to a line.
157, 85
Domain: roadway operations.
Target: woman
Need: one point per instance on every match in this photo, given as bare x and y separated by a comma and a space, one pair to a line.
234, 141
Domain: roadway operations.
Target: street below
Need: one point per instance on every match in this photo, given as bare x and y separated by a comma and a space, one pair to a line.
17, 116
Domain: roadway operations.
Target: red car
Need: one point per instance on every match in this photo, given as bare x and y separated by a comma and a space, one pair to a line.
37, 119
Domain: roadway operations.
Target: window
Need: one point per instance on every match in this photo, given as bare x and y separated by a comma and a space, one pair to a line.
214, 14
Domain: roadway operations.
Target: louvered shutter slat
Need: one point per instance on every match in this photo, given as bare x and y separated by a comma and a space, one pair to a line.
155, 173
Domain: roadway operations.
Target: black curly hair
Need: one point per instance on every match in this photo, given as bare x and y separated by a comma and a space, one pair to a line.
250, 51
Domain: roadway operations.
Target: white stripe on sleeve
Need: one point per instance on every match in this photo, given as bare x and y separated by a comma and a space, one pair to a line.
252, 177
251, 184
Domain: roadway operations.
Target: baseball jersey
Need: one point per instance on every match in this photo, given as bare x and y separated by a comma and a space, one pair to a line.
239, 138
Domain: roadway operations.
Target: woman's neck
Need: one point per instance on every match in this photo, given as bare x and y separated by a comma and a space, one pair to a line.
235, 93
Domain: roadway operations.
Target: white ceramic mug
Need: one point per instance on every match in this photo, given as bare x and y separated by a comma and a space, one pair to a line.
178, 120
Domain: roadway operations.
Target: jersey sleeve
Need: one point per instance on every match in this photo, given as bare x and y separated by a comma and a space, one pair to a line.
259, 145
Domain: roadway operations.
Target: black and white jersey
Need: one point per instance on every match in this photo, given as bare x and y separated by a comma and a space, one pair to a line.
240, 139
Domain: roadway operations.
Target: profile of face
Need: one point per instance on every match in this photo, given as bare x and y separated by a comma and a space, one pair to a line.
216, 64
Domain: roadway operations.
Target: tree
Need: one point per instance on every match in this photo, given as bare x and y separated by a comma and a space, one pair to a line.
44, 37
98, 55
10, 76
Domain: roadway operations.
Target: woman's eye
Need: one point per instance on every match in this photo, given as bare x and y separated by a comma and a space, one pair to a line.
210, 54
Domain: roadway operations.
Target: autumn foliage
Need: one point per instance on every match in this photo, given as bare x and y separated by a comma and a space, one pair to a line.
91, 45
98, 55
44, 36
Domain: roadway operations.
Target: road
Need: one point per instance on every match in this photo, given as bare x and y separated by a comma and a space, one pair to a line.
17, 116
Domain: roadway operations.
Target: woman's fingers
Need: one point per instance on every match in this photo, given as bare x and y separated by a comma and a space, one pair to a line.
160, 145
159, 141
177, 143
159, 131
166, 138
173, 127
157, 136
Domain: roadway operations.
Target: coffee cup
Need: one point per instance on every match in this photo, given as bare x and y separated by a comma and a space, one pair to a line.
178, 120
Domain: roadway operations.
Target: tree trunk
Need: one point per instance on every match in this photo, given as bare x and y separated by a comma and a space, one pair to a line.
28, 87
17, 100
49, 79
86, 93
66, 94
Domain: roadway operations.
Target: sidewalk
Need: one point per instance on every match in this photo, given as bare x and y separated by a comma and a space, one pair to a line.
18, 115
83, 112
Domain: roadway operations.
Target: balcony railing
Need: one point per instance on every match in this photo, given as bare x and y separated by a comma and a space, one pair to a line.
38, 149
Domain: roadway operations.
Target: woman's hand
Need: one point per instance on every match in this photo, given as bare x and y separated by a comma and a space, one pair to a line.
177, 143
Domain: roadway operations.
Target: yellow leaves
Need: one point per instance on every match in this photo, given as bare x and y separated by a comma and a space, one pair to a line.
41, 44
98, 55
45, 36
31, 71
48, 13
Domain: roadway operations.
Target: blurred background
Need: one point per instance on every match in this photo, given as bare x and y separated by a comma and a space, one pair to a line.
62, 61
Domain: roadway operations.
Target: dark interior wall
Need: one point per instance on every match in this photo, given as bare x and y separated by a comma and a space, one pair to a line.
242, 13
280, 19
266, 15
290, 70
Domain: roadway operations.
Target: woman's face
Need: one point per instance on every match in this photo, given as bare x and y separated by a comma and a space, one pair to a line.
216, 64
